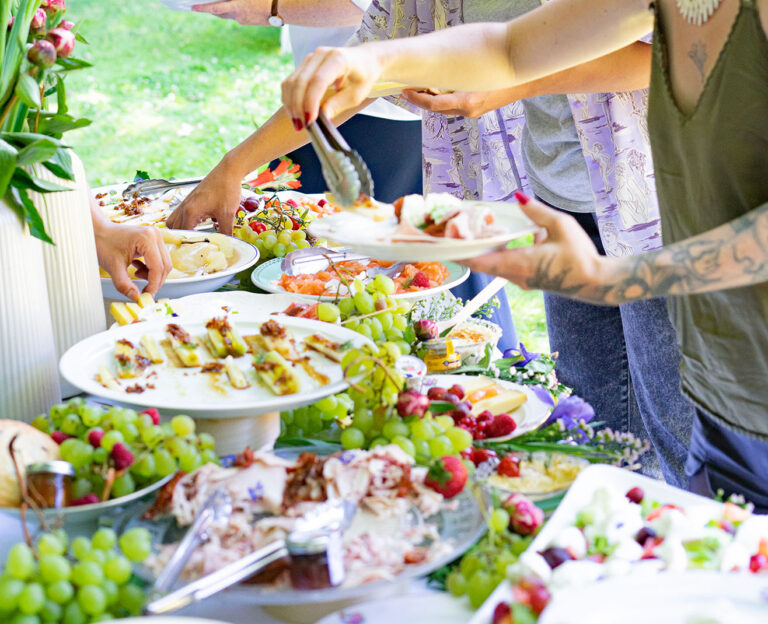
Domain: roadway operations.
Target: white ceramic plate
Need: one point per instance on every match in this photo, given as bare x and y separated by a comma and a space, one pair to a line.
372, 238
693, 597
85, 514
246, 255
179, 393
424, 608
529, 416
268, 274
167, 619
579, 495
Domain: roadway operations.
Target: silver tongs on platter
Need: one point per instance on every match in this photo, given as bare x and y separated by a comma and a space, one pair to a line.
144, 188
344, 170
313, 259
317, 534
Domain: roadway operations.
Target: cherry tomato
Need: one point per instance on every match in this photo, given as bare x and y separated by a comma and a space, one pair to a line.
257, 226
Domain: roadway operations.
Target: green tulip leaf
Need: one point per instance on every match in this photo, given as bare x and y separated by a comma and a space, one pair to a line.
28, 91
8, 154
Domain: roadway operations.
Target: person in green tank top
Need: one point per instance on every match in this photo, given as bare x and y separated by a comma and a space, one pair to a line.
708, 112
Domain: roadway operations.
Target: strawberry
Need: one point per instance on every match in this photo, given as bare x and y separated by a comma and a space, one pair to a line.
447, 476
153, 414
420, 280
502, 614
509, 466
501, 425
480, 455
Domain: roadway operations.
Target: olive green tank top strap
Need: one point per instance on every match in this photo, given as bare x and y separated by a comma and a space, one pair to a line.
711, 166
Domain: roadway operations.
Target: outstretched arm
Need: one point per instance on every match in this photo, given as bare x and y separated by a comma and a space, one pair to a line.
330, 13
477, 57
565, 261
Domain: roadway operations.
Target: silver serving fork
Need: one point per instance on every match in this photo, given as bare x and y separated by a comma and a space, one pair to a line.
344, 170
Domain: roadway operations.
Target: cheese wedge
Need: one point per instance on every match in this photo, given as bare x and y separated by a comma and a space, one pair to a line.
503, 403
106, 379
120, 313
146, 300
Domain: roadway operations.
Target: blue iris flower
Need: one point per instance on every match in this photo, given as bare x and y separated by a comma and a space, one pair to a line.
523, 353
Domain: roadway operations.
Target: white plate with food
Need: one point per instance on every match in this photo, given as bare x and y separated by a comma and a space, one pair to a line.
413, 281
202, 262
430, 607
146, 210
219, 368
439, 227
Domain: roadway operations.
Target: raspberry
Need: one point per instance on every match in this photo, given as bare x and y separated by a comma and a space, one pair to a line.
485, 417
154, 414
94, 437
420, 280
122, 457
60, 436
509, 466
501, 425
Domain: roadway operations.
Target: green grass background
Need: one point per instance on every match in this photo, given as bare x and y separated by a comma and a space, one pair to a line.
171, 91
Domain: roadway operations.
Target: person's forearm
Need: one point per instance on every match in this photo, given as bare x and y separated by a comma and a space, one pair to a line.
556, 36
730, 256
329, 13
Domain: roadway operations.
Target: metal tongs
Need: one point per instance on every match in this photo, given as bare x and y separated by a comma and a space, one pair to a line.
156, 185
344, 170
328, 519
313, 259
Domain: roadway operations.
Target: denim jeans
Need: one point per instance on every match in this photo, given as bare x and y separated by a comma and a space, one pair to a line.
624, 361
721, 459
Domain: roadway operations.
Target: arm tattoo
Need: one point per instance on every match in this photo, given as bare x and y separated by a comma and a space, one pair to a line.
698, 54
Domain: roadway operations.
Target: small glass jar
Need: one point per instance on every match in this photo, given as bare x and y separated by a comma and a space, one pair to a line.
49, 484
440, 355
317, 560
414, 371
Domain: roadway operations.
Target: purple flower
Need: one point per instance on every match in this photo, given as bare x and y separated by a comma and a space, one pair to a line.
522, 352
346, 457
571, 412
256, 493
228, 461
544, 395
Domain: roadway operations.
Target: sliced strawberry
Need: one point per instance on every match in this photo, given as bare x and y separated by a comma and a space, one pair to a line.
447, 476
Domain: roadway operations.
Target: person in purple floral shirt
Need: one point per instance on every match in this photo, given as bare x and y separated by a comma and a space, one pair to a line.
624, 360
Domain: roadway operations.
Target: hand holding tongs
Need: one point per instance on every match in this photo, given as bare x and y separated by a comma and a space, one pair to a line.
156, 185
344, 170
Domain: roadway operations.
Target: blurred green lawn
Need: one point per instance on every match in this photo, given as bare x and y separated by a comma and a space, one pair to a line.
171, 91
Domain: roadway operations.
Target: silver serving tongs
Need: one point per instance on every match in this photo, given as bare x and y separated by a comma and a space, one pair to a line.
313, 259
156, 185
344, 170
332, 517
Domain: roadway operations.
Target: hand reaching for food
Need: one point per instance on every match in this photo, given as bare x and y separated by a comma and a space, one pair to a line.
463, 103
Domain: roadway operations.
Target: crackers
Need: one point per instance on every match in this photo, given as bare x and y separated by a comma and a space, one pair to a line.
31, 446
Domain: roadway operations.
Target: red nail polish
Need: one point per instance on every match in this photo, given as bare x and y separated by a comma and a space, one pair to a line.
306, 118
522, 198
297, 124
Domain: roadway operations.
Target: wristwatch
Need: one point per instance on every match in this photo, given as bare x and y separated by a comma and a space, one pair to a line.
274, 16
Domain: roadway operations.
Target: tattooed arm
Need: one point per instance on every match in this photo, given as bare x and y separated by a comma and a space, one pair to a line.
564, 261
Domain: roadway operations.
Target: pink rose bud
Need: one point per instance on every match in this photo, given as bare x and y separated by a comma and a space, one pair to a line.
63, 40
53, 6
11, 21
524, 517
38, 20
42, 54
66, 25
425, 329
412, 403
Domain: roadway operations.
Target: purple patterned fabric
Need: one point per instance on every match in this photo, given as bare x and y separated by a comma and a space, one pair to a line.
481, 158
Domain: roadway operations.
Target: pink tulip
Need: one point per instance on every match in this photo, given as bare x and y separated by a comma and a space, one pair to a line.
63, 40
66, 25
38, 20
42, 54
524, 517
53, 6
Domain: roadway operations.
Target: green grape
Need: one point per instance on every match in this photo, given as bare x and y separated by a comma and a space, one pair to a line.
206, 441
102, 617
456, 583
399, 322
70, 424
73, 614
51, 612
395, 427
385, 319
42, 423
87, 573
130, 432
183, 425
503, 560
152, 435
403, 307
59, 592
176, 446
470, 564
21, 618
362, 419
346, 306
284, 237
384, 284
379, 442
123, 486
81, 487
440, 446
104, 539
165, 464
498, 520
404, 347
422, 430
303, 244
421, 447
97, 483
460, 438
279, 250
57, 414
405, 444
340, 412
20, 563
54, 568
49, 544
100, 455
328, 312
31, 599
92, 599
81, 546
326, 404
352, 438
363, 329
10, 589
395, 335
96, 556
145, 421
207, 456
76, 452
110, 439
444, 422
479, 588
111, 591
364, 302
301, 420
131, 598
167, 430
118, 570
61, 535
298, 235
136, 543
315, 424
91, 415
145, 467
269, 239
375, 326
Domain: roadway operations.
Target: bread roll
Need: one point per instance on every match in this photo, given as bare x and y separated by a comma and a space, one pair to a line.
31, 446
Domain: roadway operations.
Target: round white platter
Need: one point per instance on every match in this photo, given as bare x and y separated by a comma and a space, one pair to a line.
192, 394
246, 255
373, 237
267, 275
426, 608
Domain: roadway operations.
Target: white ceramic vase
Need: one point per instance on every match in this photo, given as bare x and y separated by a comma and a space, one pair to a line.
29, 378
71, 266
